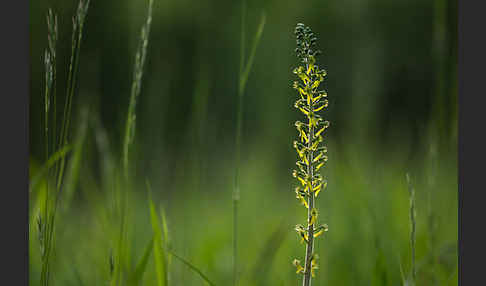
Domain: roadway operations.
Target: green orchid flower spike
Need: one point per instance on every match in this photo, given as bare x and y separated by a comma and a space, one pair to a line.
312, 155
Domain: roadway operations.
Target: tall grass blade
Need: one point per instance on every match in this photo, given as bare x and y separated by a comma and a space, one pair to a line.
119, 260
51, 161
249, 64
142, 264
192, 267
72, 175
266, 257
402, 274
106, 158
165, 233
160, 257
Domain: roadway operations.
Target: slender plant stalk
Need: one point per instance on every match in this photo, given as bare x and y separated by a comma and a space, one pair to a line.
411, 192
239, 112
161, 246
138, 68
51, 161
77, 35
244, 71
122, 258
47, 219
43, 221
136, 277
431, 216
192, 267
266, 258
72, 175
311, 156
50, 66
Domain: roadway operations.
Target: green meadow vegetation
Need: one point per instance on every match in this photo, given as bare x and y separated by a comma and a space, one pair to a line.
192, 181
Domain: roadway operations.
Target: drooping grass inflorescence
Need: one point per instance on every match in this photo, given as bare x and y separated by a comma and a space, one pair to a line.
310, 150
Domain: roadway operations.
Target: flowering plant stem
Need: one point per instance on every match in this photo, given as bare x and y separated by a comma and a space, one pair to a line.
310, 243
311, 156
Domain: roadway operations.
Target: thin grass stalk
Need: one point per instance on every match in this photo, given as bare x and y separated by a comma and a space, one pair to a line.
242, 38
72, 176
239, 112
78, 24
140, 57
51, 161
50, 58
411, 191
192, 267
137, 275
77, 35
431, 216
244, 71
44, 227
266, 257
50, 98
52, 46
52, 35
122, 256
196, 128
46, 128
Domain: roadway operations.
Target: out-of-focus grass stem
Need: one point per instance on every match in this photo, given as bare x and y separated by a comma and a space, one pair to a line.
244, 71
411, 191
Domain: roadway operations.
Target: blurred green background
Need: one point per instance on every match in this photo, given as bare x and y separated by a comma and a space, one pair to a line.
392, 85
